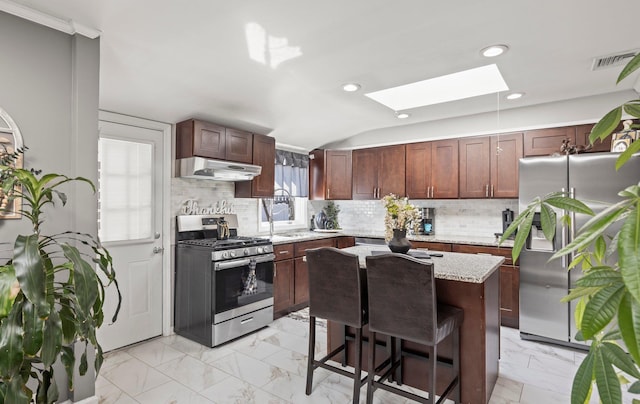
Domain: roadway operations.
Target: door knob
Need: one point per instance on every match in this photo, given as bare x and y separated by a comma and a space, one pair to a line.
158, 250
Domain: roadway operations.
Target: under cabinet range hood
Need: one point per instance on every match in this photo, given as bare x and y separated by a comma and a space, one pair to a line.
218, 170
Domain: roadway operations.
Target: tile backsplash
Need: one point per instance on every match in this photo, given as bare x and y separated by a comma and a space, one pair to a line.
460, 217
477, 217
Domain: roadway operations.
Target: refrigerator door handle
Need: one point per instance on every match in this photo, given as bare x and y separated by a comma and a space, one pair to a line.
563, 241
572, 229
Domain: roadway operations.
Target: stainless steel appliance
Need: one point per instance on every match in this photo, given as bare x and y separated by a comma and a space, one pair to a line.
591, 178
427, 221
209, 169
223, 282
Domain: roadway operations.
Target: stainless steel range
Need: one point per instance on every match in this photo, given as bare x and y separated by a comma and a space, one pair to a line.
224, 283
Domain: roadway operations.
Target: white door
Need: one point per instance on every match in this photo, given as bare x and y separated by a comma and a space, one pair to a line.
130, 227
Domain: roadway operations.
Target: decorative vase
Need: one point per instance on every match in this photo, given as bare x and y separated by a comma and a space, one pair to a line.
399, 243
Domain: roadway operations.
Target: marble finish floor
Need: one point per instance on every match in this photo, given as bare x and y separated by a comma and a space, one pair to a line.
269, 366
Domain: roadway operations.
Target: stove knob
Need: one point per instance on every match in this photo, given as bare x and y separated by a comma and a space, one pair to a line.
225, 254
232, 253
246, 251
261, 250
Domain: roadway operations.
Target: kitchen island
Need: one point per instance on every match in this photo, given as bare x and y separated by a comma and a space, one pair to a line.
470, 282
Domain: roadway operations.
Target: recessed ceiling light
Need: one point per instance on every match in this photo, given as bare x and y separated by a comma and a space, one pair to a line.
494, 50
402, 115
351, 87
456, 86
514, 96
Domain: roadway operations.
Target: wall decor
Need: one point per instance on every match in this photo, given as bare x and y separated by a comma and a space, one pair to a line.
10, 142
622, 140
221, 207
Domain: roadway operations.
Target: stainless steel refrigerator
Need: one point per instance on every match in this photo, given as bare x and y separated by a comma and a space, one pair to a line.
591, 178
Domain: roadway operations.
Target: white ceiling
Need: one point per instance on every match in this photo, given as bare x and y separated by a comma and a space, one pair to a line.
171, 60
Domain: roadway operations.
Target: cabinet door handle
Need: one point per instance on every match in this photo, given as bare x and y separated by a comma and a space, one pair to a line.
275, 271
433, 188
486, 191
492, 190
328, 193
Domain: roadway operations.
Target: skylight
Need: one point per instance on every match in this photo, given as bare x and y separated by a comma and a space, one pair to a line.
456, 86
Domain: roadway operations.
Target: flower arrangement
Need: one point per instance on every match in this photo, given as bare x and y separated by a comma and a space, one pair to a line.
400, 215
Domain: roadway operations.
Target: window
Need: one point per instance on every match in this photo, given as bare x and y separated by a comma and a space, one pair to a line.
126, 183
291, 193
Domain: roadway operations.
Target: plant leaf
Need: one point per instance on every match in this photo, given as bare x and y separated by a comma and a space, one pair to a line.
606, 125
548, 221
600, 249
84, 279
11, 353
635, 388
52, 339
626, 155
570, 204
9, 289
620, 359
32, 325
629, 324
17, 391
68, 359
601, 309
606, 379
629, 68
629, 252
82, 369
521, 237
586, 236
581, 388
632, 108
600, 277
30, 271
579, 292
611, 213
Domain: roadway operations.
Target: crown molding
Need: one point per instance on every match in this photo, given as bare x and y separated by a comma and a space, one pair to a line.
67, 26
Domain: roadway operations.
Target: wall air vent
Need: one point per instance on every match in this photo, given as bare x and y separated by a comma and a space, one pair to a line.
617, 59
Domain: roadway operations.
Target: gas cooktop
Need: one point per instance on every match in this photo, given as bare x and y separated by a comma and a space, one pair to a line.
231, 243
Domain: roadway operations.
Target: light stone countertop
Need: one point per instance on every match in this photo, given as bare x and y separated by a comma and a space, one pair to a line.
472, 268
305, 235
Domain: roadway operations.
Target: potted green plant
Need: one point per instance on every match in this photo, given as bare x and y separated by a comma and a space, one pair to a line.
51, 295
609, 293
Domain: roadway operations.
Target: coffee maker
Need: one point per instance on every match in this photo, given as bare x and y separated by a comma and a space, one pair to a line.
507, 219
428, 221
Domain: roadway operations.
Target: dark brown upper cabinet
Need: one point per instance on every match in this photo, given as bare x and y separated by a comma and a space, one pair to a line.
544, 142
209, 140
330, 174
378, 171
432, 169
582, 138
264, 155
489, 166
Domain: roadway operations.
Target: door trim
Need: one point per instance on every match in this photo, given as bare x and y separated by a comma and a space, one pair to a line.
166, 129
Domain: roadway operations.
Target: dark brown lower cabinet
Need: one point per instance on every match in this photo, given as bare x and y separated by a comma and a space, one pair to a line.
301, 283
432, 245
510, 296
283, 287
509, 281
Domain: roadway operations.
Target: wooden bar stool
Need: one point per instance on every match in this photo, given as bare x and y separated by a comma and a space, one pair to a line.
337, 292
403, 304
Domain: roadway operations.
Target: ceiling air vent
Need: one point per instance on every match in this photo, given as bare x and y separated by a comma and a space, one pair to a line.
618, 59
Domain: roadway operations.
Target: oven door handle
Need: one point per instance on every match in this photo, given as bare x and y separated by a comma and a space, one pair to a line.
243, 262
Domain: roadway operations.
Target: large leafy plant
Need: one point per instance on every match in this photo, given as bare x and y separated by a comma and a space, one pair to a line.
608, 294
51, 295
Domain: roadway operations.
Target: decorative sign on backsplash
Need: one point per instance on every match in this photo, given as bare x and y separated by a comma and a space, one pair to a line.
222, 207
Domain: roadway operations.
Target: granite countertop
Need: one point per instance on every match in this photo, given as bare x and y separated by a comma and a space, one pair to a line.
293, 237
472, 268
